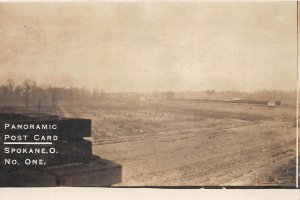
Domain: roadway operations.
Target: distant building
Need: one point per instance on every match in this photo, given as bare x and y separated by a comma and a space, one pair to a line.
271, 103
236, 99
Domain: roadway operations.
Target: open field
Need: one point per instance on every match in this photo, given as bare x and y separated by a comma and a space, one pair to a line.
182, 143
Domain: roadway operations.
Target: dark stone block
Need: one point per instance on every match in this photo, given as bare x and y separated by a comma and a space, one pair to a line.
98, 172
28, 178
68, 152
73, 165
67, 128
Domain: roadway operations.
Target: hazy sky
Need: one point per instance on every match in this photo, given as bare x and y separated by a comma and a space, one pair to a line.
145, 47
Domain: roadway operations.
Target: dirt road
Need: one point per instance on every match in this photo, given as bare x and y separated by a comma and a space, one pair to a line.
187, 144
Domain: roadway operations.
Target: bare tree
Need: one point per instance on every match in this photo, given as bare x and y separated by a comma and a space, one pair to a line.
10, 85
27, 91
55, 97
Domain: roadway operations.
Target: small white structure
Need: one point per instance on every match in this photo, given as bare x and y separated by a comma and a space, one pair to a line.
236, 99
271, 103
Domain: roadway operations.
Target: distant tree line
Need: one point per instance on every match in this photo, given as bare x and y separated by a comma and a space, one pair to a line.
29, 93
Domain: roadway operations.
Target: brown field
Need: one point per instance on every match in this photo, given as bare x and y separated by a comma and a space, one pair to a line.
183, 143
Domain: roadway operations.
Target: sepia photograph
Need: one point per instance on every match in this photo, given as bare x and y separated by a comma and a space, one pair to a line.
149, 94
